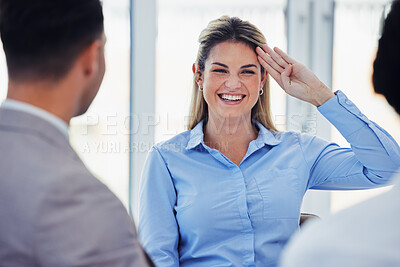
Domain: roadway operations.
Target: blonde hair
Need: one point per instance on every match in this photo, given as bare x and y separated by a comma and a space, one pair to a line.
218, 31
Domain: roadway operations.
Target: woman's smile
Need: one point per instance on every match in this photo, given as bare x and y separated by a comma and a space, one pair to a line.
232, 99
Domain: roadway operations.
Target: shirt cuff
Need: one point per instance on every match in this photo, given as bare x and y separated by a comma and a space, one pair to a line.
343, 114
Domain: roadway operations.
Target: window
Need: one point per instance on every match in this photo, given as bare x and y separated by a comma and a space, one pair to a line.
101, 135
356, 35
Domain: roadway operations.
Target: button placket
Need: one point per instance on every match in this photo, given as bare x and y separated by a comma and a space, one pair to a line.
248, 232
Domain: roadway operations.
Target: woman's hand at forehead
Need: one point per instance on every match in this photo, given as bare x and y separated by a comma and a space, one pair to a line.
294, 78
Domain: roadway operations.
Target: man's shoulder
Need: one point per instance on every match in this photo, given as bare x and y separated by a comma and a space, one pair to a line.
38, 160
33, 154
34, 167
365, 233
18, 125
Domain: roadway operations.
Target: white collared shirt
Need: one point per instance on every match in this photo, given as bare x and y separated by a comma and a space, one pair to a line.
41, 113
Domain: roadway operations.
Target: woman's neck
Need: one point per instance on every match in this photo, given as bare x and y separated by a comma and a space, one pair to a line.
230, 136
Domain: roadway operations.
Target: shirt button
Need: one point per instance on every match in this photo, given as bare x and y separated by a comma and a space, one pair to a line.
348, 102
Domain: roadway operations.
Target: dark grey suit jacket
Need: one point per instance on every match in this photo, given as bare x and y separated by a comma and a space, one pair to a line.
53, 212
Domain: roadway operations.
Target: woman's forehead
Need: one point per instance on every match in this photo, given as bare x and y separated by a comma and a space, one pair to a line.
232, 53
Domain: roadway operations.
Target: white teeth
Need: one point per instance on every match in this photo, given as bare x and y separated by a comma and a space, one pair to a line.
231, 97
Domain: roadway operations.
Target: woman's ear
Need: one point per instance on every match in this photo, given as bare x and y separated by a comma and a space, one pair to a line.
198, 75
264, 76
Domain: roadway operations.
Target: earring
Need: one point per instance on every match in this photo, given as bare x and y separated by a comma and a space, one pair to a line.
200, 88
261, 91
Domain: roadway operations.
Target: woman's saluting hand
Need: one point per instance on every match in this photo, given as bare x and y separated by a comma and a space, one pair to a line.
294, 78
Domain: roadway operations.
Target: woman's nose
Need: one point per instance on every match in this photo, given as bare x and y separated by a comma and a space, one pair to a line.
232, 82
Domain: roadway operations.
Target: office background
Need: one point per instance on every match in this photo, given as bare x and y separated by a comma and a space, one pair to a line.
145, 95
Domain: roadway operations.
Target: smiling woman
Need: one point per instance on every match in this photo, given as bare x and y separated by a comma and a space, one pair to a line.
231, 82
228, 191
242, 39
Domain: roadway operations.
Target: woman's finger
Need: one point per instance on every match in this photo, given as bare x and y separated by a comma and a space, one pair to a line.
274, 74
269, 60
285, 56
276, 57
268, 67
285, 76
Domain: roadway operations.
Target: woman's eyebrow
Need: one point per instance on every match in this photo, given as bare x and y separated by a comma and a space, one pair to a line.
248, 66
220, 64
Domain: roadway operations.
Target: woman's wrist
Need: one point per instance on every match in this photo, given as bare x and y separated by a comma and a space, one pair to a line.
324, 94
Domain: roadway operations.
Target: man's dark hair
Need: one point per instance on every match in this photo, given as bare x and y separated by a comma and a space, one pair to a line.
43, 38
386, 77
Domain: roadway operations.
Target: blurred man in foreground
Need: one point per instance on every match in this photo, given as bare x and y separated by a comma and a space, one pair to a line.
53, 211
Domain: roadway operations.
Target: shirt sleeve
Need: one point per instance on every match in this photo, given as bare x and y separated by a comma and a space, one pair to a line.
373, 158
158, 229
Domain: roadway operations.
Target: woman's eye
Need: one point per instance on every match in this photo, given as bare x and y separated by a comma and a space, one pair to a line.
248, 72
220, 70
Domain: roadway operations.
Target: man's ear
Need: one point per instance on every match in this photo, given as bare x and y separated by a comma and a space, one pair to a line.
89, 58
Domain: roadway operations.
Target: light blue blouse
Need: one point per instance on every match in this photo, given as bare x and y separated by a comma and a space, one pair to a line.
197, 208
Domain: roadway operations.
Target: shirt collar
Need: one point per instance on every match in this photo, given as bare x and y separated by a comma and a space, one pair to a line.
265, 137
196, 136
38, 112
